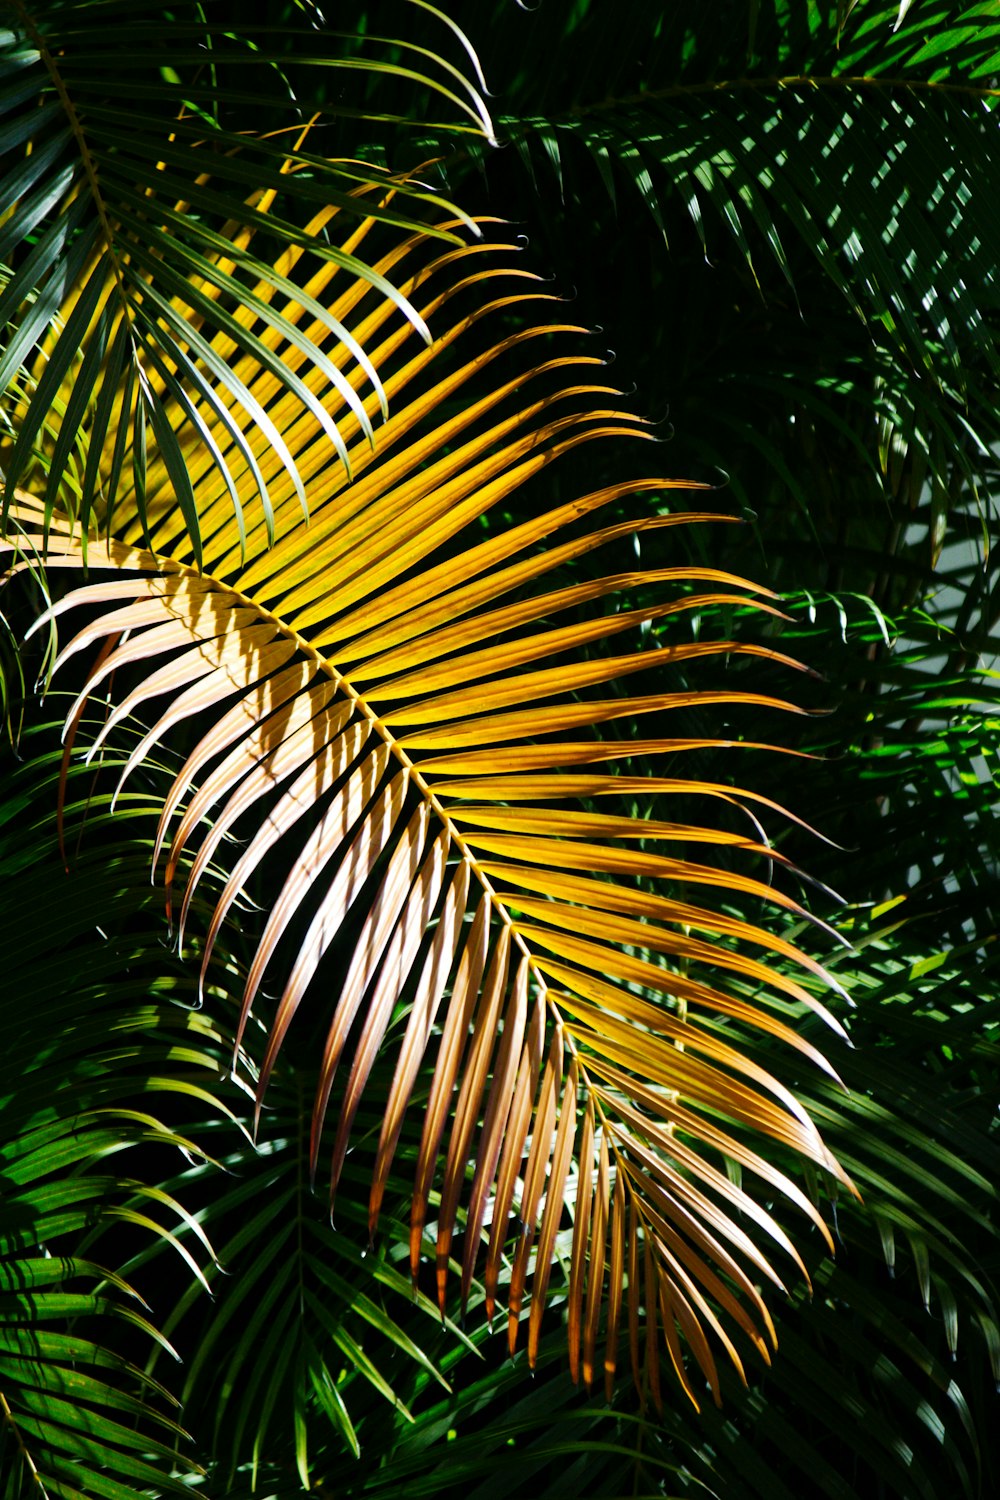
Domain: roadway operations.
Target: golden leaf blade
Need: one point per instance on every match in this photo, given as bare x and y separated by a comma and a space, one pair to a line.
745, 1106
322, 770
562, 1153
692, 1210
468, 1105
675, 1310
454, 1036
676, 1116
434, 977
652, 1350
359, 860
447, 512
518, 1123
539, 1155
414, 920
498, 1105
563, 716
633, 1295
614, 929
608, 896
598, 1254
312, 450
326, 838
571, 677
288, 553
402, 618
422, 647
272, 653
548, 822
566, 854
242, 722
612, 961
514, 759
696, 1264
581, 1239
199, 661
381, 519
685, 1034
525, 649
406, 888
675, 1163
616, 1272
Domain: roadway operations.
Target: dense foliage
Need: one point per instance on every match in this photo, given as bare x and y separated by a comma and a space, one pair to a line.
774, 224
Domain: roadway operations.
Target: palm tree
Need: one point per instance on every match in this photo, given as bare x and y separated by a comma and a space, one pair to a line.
206, 326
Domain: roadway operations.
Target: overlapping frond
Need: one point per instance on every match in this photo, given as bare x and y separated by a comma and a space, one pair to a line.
307, 1339
838, 138
122, 162
85, 1060
114, 1314
877, 187
402, 698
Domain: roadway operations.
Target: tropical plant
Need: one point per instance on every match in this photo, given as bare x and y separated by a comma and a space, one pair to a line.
493, 980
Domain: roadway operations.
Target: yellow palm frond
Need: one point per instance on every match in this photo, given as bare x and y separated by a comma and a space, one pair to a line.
404, 704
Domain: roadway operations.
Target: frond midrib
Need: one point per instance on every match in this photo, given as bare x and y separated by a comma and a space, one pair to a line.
406, 762
86, 156
775, 83
591, 1095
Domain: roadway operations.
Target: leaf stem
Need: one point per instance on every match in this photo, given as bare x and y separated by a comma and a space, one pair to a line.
8, 1420
776, 83
87, 160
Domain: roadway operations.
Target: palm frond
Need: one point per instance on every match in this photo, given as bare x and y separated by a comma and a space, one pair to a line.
814, 170
78, 1321
397, 706
876, 187
843, 141
86, 1054
123, 163
306, 1335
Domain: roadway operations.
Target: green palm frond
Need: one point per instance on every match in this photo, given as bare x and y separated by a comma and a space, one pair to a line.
86, 1052
492, 1436
823, 168
77, 1324
124, 160
918, 718
860, 1402
381, 685
928, 42
923, 970
871, 157
306, 1334
899, 1336
913, 1300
